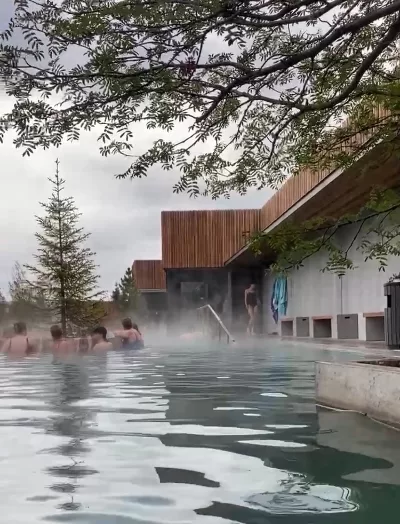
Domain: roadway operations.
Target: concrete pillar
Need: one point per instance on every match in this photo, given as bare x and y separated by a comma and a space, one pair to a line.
362, 328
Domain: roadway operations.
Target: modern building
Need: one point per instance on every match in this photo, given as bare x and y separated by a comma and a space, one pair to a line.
149, 277
206, 258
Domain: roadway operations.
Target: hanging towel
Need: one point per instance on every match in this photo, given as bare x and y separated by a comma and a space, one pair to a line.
279, 298
274, 302
282, 296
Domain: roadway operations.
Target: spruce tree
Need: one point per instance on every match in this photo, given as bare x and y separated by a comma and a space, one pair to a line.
65, 271
116, 294
125, 293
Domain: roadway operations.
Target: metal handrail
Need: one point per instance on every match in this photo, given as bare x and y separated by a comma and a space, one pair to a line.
219, 321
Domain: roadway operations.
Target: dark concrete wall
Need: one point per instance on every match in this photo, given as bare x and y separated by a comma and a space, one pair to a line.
184, 297
153, 306
155, 301
221, 288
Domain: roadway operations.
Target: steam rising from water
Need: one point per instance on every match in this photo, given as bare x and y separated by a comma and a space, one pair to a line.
104, 438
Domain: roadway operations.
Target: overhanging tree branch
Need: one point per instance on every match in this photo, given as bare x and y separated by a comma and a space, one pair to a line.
264, 85
374, 231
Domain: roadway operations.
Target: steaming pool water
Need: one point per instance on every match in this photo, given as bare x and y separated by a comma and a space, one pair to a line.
174, 435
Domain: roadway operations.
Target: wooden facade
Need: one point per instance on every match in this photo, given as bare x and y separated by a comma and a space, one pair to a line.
350, 191
149, 275
208, 239
346, 194
293, 190
298, 186
205, 239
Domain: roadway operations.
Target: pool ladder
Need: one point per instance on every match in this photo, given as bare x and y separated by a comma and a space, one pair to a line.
211, 319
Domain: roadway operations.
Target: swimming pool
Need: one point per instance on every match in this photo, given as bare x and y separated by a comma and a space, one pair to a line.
174, 435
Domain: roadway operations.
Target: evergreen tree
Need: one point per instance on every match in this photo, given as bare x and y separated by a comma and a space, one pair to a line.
65, 270
116, 294
125, 293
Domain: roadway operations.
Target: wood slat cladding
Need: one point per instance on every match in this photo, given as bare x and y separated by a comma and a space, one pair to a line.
351, 189
290, 193
346, 193
297, 186
205, 239
149, 274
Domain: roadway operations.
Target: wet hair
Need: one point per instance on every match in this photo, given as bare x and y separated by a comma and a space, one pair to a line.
56, 332
135, 326
100, 330
19, 328
127, 323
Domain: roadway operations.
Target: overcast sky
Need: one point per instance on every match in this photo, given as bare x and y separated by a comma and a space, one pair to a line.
122, 216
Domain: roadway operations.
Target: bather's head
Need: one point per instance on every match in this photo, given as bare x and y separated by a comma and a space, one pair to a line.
127, 323
20, 328
56, 332
99, 334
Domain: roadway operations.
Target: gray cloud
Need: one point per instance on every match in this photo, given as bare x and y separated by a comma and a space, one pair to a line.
123, 217
6, 12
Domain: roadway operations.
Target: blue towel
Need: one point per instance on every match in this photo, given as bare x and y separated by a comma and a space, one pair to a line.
282, 296
274, 303
279, 298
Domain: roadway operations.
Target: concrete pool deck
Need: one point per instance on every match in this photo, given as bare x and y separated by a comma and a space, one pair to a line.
361, 347
344, 344
371, 387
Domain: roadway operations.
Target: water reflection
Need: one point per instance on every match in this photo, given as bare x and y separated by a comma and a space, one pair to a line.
185, 435
358, 435
72, 384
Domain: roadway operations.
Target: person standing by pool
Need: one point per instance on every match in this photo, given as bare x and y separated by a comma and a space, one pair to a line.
99, 340
251, 302
131, 337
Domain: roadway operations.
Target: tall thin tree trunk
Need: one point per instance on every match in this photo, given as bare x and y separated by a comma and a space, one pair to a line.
63, 304
63, 307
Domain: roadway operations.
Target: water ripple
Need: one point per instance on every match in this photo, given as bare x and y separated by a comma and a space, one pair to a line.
182, 435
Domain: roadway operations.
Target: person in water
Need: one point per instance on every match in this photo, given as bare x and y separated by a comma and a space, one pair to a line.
130, 336
140, 339
99, 340
251, 303
19, 344
59, 343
